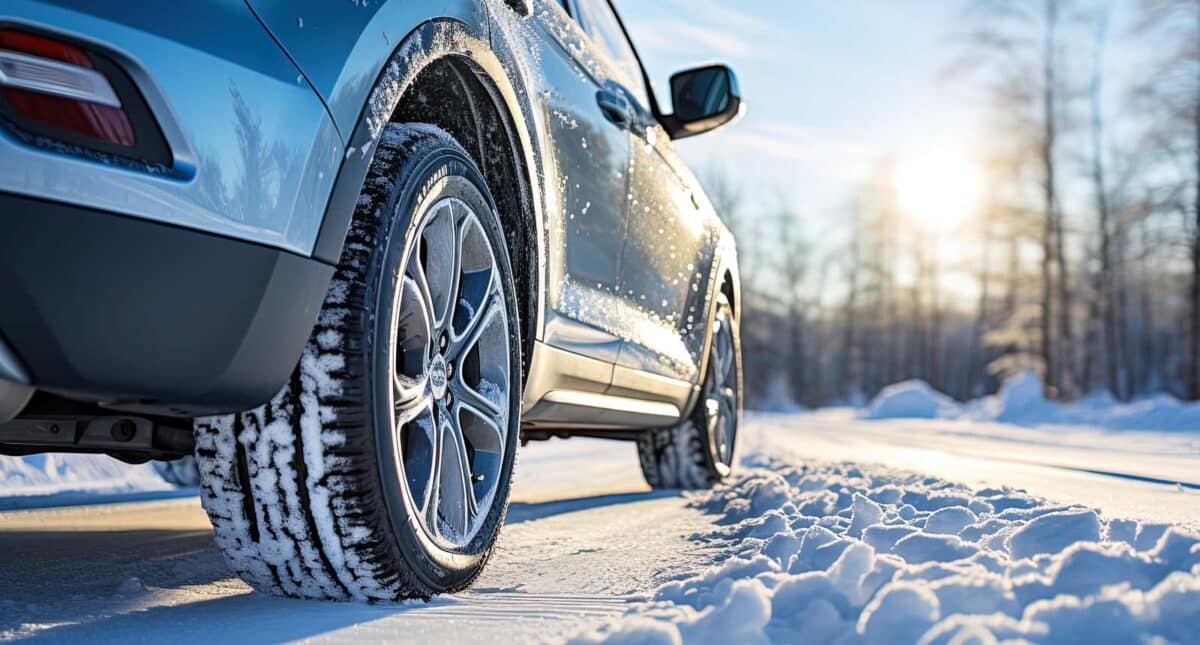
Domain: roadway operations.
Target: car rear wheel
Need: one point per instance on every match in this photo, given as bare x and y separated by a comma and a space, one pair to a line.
382, 470
699, 452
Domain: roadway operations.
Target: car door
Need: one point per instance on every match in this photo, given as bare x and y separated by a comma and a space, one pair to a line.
666, 261
662, 271
592, 156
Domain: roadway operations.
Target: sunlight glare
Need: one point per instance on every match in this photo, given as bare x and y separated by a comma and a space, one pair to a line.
938, 189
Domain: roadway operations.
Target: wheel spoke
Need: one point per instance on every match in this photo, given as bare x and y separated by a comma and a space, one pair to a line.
484, 434
416, 286
720, 356
429, 427
487, 433
477, 271
727, 363
413, 332
490, 403
440, 264
463, 343
457, 501
411, 400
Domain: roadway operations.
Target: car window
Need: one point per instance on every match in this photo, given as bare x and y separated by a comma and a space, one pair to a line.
601, 24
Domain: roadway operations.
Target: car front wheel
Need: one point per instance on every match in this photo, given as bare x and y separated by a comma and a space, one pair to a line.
699, 452
382, 469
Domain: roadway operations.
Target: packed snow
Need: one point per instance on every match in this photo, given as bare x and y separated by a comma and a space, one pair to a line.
1021, 402
836, 553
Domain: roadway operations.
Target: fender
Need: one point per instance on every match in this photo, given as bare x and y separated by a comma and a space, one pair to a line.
724, 264
427, 44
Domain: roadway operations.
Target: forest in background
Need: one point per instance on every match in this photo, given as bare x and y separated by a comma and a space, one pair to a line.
1083, 260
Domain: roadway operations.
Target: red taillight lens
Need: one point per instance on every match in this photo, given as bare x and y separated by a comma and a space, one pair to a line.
19, 41
100, 121
46, 106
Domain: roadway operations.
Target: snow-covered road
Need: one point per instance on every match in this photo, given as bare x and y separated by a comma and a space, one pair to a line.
1151, 476
584, 536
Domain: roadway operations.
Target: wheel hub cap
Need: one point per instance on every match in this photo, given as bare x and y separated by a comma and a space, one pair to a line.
437, 377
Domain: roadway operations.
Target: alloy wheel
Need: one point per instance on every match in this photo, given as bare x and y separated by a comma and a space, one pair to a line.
721, 395
451, 389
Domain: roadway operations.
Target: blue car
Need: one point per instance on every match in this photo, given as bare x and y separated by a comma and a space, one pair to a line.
348, 255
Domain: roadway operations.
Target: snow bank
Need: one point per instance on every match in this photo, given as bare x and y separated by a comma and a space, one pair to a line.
1020, 401
58, 474
833, 553
911, 400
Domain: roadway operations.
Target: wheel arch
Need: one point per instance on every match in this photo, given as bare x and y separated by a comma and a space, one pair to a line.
725, 280
448, 62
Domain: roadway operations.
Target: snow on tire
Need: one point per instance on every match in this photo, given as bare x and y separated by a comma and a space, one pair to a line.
698, 452
316, 494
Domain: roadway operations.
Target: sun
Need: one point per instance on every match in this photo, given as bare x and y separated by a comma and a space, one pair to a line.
938, 189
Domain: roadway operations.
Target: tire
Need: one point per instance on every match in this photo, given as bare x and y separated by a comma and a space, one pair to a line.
699, 452
379, 472
181, 473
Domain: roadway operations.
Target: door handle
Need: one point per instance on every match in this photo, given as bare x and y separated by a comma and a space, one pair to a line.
615, 108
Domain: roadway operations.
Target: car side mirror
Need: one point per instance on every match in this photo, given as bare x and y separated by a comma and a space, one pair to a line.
705, 98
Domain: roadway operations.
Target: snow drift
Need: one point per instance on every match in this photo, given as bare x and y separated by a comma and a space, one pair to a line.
913, 399
59, 474
835, 554
1020, 401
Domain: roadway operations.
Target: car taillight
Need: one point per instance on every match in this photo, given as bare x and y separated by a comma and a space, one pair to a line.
57, 84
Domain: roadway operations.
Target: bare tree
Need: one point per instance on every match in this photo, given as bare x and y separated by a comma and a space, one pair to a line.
1105, 296
1173, 89
1016, 45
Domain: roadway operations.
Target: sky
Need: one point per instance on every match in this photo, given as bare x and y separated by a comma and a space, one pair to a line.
831, 88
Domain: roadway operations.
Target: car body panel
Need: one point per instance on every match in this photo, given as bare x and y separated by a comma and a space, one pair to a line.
666, 262
618, 319
255, 152
589, 161
343, 46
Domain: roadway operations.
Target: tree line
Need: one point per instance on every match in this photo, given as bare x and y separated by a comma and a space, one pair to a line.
1084, 256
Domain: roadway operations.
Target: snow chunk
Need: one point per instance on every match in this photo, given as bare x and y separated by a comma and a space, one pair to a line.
901, 613
864, 513
950, 520
927, 547
1054, 532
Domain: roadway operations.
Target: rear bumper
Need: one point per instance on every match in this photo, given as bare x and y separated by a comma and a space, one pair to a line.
150, 317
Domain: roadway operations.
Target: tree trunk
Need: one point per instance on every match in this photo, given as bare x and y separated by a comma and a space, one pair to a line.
975, 384
1051, 365
1105, 292
1193, 366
